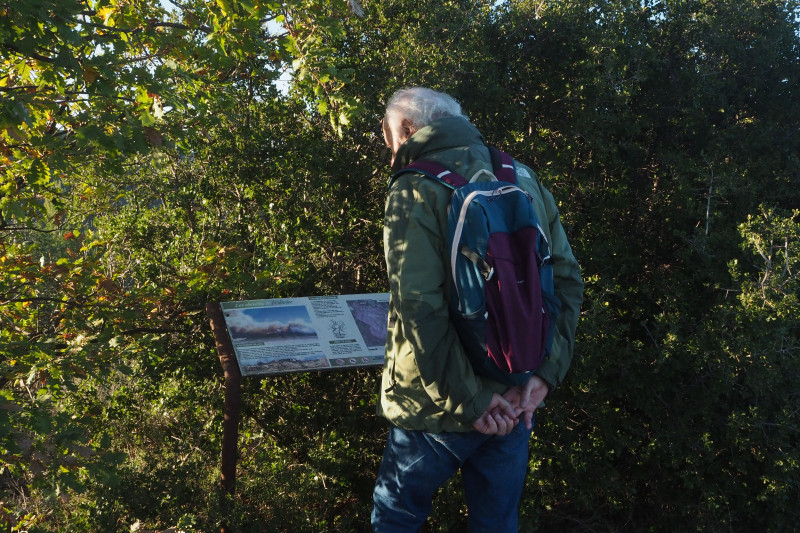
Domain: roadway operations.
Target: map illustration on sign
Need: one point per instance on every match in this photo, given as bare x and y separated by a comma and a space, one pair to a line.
280, 336
370, 316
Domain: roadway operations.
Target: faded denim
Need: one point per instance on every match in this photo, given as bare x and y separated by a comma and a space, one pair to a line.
415, 464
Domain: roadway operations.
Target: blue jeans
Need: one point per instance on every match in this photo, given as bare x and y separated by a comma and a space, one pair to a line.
415, 464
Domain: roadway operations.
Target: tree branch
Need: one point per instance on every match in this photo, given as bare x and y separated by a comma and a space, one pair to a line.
134, 331
27, 228
32, 55
175, 25
18, 88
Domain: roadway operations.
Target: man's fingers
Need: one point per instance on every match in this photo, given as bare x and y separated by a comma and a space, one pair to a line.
494, 423
505, 424
486, 424
505, 407
491, 425
529, 420
500, 417
526, 392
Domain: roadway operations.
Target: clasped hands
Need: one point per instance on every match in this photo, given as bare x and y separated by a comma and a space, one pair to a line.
504, 411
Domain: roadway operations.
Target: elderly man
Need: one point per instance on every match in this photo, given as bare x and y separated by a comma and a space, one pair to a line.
444, 417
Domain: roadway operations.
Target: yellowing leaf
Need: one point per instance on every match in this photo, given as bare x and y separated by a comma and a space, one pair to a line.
225, 6
146, 118
90, 74
105, 14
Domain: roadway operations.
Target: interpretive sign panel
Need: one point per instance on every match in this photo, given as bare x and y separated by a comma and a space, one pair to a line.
280, 336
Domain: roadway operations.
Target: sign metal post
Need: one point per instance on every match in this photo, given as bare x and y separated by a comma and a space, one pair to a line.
232, 407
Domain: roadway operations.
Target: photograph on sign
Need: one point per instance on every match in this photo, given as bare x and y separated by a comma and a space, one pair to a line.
284, 335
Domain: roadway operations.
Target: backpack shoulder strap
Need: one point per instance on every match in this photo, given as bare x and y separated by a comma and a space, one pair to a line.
433, 170
503, 165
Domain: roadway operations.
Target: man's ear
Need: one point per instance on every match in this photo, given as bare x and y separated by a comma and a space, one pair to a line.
407, 129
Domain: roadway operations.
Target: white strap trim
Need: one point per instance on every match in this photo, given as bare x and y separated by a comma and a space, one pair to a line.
480, 173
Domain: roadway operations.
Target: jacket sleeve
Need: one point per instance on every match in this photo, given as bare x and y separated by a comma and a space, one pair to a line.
414, 244
568, 289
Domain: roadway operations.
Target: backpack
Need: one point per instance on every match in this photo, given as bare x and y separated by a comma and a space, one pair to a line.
502, 301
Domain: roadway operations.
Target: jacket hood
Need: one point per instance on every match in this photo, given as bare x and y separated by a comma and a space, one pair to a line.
441, 134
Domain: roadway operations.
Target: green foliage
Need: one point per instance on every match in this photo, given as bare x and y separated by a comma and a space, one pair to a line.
151, 164
119, 220
774, 238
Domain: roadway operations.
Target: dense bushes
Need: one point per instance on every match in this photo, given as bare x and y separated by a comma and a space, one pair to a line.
666, 130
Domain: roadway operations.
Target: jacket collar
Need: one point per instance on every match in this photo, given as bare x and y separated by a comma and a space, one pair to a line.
439, 135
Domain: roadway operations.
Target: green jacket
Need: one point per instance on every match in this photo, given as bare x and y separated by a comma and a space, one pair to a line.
428, 382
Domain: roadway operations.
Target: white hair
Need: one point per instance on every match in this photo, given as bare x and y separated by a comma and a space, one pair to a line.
420, 106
